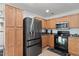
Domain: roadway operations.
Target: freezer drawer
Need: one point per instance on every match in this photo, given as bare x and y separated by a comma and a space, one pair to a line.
34, 50
32, 42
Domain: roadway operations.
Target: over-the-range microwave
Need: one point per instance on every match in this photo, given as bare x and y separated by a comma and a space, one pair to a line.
62, 25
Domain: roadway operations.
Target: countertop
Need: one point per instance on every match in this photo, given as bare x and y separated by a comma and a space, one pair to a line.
74, 35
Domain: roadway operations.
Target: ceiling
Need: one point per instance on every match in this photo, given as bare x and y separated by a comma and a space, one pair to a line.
55, 8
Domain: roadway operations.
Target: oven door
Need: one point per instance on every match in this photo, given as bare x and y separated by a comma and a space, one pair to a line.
61, 43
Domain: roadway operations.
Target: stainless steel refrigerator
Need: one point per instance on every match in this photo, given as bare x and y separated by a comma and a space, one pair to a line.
32, 44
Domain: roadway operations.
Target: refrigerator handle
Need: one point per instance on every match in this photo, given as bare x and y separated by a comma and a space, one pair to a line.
31, 24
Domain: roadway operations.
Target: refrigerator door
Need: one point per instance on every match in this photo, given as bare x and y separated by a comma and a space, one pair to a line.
32, 37
26, 28
37, 28
34, 50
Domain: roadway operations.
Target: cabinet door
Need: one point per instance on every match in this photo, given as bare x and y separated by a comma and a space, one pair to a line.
10, 15
9, 51
48, 24
51, 41
73, 46
74, 21
44, 41
9, 42
53, 23
62, 19
44, 24
19, 42
19, 18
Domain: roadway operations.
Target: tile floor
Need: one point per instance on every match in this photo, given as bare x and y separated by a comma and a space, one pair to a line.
45, 52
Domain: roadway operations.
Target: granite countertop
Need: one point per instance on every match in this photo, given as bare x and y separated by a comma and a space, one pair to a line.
74, 35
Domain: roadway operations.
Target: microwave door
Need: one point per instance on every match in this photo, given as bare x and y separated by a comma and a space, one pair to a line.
62, 25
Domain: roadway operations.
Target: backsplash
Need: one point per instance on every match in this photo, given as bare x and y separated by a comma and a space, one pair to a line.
72, 31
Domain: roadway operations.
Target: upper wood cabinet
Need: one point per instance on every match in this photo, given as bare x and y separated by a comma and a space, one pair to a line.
44, 24
19, 18
10, 15
51, 24
48, 24
73, 45
62, 19
74, 21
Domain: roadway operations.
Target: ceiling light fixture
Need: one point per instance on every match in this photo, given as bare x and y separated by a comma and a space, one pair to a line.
47, 11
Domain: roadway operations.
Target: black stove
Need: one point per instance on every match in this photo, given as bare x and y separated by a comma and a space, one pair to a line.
61, 41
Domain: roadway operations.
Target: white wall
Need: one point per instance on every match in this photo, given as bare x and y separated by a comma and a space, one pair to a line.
29, 14
1, 27
74, 31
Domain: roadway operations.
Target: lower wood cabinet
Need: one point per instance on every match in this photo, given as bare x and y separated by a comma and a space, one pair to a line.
51, 41
44, 41
9, 51
9, 42
18, 51
48, 40
73, 46
14, 42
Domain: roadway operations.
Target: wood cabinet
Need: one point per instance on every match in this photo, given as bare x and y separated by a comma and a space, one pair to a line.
10, 15
62, 19
51, 41
73, 45
51, 24
74, 21
44, 41
44, 24
10, 51
14, 31
48, 24
19, 18
9, 42
19, 42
